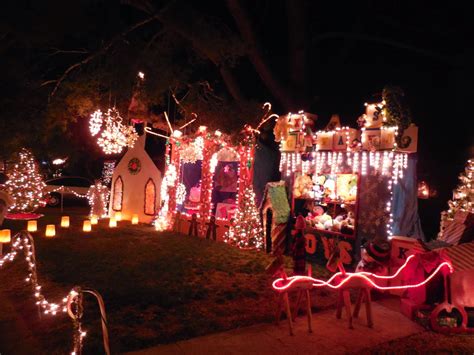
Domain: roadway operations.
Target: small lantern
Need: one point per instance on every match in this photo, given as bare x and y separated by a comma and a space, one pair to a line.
50, 230
5, 236
32, 226
118, 216
423, 190
134, 218
94, 220
112, 222
65, 221
87, 226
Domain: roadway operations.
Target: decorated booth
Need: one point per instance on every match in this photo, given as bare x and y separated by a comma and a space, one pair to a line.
351, 185
207, 182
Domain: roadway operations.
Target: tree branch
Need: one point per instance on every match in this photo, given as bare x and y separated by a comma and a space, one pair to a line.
167, 20
230, 82
74, 51
255, 54
98, 53
388, 42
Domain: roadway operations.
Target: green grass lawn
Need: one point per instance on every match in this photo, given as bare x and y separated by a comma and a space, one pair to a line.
157, 287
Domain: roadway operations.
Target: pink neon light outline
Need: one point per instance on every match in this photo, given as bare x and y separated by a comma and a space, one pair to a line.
361, 275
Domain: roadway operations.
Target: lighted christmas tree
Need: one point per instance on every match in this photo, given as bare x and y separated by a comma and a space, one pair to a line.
25, 185
463, 196
246, 231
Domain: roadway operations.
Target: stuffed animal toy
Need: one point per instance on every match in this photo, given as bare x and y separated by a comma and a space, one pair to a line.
195, 194
330, 188
375, 256
281, 129
334, 122
303, 185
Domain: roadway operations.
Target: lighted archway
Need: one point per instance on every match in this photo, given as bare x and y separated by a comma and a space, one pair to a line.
150, 198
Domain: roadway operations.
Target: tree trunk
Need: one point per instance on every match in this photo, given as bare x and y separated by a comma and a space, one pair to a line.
256, 57
297, 35
231, 82
170, 19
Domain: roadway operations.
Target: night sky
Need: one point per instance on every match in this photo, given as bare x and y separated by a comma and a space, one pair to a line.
352, 50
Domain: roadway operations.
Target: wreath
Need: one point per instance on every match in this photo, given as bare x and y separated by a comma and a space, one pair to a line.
134, 166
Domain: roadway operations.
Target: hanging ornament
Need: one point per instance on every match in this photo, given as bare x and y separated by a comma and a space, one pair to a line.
115, 135
192, 151
131, 135
112, 140
108, 171
95, 122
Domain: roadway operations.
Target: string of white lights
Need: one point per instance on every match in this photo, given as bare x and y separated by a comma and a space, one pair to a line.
71, 303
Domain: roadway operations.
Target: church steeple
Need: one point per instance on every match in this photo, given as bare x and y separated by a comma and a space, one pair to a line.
138, 108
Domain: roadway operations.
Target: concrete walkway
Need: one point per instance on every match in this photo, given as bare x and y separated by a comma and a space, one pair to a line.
330, 336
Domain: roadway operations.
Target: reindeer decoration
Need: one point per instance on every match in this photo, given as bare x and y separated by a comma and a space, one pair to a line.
276, 269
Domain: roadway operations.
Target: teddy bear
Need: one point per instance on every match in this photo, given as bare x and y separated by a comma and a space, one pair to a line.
281, 129
303, 185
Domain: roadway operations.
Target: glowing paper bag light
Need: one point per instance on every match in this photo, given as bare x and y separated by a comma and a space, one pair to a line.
94, 220
65, 221
5, 236
112, 222
87, 226
134, 218
118, 216
50, 230
32, 226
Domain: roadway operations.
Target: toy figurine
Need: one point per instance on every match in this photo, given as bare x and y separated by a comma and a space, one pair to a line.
375, 256
193, 227
212, 229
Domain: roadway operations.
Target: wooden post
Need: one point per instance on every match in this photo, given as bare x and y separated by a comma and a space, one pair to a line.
288, 312
308, 310
347, 304
360, 297
368, 307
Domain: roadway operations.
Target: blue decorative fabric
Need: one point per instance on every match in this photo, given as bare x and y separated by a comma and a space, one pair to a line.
406, 221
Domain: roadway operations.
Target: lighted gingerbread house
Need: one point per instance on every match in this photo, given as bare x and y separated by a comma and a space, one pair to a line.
205, 175
136, 182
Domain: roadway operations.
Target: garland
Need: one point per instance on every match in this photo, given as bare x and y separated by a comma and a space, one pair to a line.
72, 303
